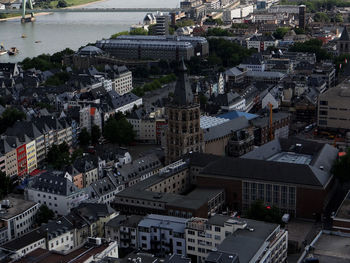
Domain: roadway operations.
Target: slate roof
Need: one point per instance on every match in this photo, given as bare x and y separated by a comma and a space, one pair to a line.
270, 171
226, 99
53, 182
139, 167
183, 95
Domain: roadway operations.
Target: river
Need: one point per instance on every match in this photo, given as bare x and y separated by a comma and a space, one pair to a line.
58, 31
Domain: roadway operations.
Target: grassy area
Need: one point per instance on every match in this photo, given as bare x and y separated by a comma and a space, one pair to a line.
70, 3
4, 16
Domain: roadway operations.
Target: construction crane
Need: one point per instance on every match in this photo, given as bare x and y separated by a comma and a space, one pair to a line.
271, 130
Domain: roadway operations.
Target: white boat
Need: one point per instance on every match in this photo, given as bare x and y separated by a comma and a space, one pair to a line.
3, 51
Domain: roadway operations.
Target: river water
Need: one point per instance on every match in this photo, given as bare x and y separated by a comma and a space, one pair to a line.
60, 30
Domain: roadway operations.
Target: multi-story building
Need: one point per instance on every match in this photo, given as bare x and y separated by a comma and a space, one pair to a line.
90, 116
184, 134
334, 107
124, 230
56, 191
9, 154
200, 44
279, 129
17, 216
163, 193
291, 174
141, 50
161, 27
203, 236
162, 234
261, 43
122, 80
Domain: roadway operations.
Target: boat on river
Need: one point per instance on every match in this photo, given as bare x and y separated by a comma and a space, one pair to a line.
3, 51
13, 51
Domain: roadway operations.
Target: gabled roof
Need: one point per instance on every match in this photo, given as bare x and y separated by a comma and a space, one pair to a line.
344, 35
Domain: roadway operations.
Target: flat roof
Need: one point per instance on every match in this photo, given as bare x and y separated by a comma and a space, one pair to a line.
17, 206
332, 249
291, 157
79, 255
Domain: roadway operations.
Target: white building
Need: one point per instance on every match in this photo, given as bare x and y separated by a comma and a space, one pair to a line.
122, 81
56, 192
165, 234
262, 42
17, 217
235, 235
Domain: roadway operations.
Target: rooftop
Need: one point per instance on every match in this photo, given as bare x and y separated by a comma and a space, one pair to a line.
332, 249
17, 205
245, 242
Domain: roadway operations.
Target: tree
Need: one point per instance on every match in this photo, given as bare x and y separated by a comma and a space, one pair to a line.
84, 137
95, 134
118, 130
120, 34
138, 31
339, 18
5, 185
44, 215
258, 211
58, 156
62, 4
9, 117
311, 46
185, 22
280, 32
341, 168
321, 17
59, 78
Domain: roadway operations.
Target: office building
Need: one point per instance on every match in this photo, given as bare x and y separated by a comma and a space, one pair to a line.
291, 174
334, 107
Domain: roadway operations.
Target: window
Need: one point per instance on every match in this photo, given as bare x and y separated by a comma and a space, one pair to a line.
253, 191
268, 193
322, 122
179, 244
323, 102
245, 191
190, 232
143, 237
217, 229
261, 190
323, 112
190, 248
276, 194
217, 237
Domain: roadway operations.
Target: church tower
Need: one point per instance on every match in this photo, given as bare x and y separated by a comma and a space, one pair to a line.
184, 134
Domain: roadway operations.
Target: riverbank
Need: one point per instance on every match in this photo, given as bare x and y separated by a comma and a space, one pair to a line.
71, 4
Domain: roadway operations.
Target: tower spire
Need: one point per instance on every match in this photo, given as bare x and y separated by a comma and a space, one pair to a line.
183, 95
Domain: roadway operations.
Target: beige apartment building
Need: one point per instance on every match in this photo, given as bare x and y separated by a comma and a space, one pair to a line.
334, 107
